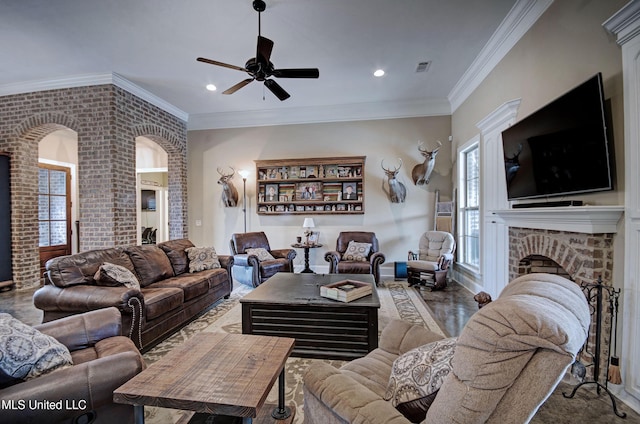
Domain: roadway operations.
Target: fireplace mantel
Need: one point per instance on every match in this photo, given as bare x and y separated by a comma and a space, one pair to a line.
577, 219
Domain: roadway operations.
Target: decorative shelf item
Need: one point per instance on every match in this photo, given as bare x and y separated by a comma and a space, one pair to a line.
333, 185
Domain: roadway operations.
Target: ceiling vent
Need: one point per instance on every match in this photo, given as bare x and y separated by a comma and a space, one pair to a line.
423, 67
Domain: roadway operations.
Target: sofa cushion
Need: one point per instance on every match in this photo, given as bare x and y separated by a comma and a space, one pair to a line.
158, 301
193, 285
357, 252
175, 250
261, 253
26, 353
150, 262
202, 258
115, 275
66, 271
416, 377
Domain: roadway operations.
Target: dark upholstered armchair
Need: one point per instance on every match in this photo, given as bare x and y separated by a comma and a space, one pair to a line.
281, 260
103, 360
369, 263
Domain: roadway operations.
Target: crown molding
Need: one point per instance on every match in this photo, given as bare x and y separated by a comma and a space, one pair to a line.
624, 23
319, 114
90, 80
518, 21
125, 84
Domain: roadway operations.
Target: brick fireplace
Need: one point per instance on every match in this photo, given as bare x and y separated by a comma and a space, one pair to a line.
576, 242
580, 256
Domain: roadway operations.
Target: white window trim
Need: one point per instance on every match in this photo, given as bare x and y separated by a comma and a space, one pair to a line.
474, 142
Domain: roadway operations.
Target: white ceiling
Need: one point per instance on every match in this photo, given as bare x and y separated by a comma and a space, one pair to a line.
152, 45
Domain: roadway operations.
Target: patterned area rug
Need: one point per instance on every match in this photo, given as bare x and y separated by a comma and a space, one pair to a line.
396, 301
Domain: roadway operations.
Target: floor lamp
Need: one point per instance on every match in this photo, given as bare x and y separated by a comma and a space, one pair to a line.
244, 174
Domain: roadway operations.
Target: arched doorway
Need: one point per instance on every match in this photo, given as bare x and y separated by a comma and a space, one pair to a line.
152, 191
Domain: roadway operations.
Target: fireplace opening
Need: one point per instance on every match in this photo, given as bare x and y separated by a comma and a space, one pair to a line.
539, 263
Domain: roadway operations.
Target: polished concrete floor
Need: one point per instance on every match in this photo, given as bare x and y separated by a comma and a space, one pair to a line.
452, 308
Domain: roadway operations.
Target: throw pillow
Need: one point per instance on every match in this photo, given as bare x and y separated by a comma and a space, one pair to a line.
202, 258
416, 377
357, 251
261, 253
116, 275
26, 353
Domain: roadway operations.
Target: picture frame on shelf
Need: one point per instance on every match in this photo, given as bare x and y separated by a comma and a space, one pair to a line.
311, 190
349, 191
271, 193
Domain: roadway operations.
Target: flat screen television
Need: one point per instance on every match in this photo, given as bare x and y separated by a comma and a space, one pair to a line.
561, 149
148, 200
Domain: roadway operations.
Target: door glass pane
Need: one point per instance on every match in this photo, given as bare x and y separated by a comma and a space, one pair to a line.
43, 207
44, 234
58, 232
58, 208
58, 182
43, 181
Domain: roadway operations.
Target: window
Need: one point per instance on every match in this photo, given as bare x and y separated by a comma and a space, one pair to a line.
469, 233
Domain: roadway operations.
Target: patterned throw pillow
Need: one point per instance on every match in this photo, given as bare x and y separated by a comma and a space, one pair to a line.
201, 258
116, 275
26, 353
357, 252
261, 253
416, 377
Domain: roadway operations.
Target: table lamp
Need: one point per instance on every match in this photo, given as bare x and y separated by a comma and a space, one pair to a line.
307, 225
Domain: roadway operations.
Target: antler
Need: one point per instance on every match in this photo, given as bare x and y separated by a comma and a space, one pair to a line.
389, 170
233, 171
424, 149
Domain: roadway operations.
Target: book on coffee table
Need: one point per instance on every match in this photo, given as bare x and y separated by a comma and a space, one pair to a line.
346, 290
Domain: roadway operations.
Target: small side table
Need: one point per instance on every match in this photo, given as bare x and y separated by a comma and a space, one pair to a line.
306, 247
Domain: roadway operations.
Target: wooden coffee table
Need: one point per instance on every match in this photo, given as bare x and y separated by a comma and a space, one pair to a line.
214, 373
290, 305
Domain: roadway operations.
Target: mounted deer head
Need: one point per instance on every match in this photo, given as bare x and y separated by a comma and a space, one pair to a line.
512, 164
397, 191
229, 192
422, 172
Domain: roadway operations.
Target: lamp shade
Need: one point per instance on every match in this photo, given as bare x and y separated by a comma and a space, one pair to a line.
308, 223
243, 173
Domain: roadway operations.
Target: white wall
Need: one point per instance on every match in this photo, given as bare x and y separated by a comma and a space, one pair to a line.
397, 226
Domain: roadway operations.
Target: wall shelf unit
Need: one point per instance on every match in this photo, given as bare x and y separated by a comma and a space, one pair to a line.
333, 185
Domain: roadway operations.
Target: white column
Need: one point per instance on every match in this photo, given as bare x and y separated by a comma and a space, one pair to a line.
626, 26
494, 233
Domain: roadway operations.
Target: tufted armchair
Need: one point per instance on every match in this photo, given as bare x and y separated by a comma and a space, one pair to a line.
370, 264
103, 360
434, 256
261, 268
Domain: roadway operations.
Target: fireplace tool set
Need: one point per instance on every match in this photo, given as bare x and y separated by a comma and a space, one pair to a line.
594, 293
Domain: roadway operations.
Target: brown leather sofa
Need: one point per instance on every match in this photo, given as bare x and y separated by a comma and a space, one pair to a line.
371, 266
169, 295
260, 270
103, 361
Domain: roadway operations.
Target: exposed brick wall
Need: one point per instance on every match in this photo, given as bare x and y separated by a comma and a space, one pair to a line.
107, 120
585, 257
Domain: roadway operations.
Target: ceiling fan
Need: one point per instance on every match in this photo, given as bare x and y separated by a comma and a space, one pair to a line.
260, 67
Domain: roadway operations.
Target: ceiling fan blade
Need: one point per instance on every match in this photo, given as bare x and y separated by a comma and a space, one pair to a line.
296, 73
238, 86
265, 46
276, 89
225, 65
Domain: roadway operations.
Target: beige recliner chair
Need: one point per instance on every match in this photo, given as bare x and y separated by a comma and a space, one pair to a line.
430, 264
507, 361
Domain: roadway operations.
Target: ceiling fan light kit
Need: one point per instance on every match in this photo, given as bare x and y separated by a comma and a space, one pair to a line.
260, 67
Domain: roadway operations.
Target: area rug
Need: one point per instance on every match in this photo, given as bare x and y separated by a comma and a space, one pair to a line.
397, 301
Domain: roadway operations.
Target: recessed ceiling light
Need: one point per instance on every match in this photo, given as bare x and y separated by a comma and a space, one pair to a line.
211, 87
378, 73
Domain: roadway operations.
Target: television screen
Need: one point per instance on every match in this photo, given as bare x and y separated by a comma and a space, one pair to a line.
562, 148
148, 200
